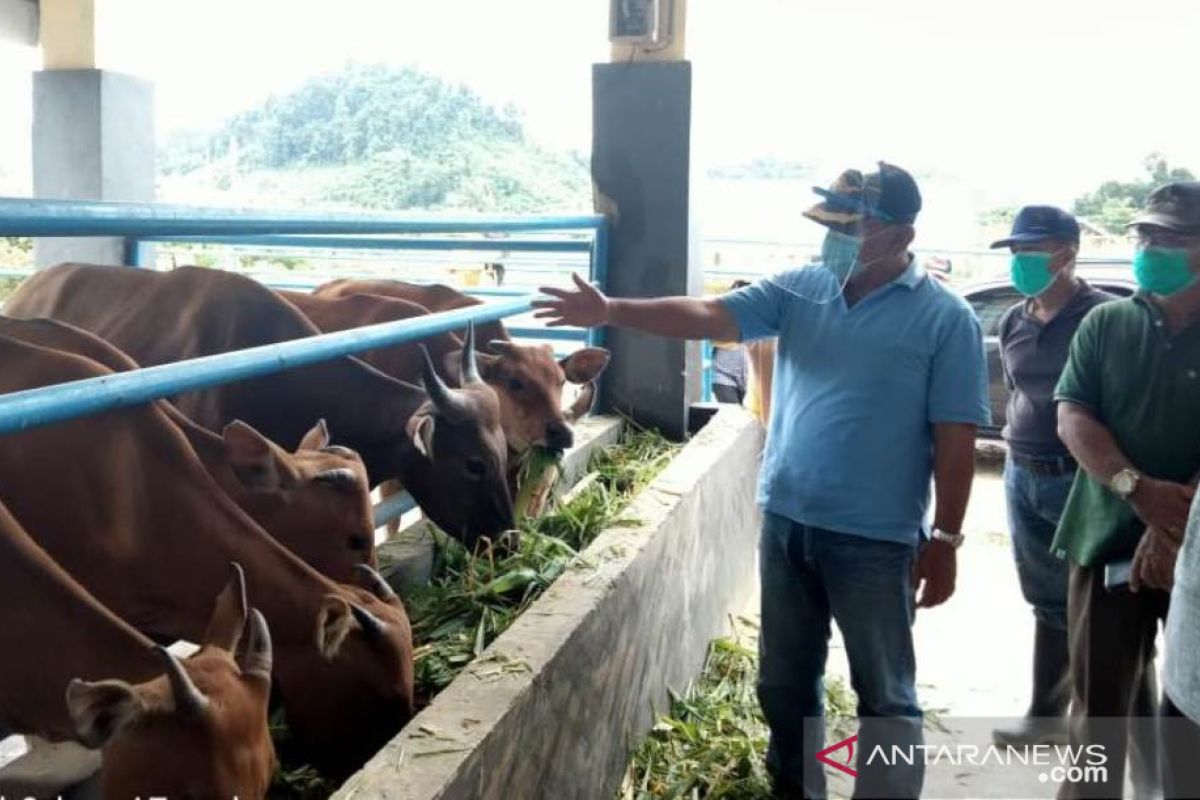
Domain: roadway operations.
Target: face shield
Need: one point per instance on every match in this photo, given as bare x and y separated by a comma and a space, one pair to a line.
848, 223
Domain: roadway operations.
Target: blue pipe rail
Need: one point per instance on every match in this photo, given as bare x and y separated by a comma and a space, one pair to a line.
48, 404
26, 217
408, 243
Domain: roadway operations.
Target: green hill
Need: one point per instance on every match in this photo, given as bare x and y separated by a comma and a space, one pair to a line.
375, 137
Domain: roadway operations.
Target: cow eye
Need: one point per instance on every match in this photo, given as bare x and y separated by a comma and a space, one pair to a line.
476, 468
515, 384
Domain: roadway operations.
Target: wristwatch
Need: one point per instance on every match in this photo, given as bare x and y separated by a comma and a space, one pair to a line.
955, 540
1125, 482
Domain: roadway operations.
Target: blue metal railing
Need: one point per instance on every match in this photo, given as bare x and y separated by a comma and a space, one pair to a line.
141, 224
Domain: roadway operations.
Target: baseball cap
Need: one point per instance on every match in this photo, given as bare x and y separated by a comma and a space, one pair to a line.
1174, 206
1039, 223
889, 194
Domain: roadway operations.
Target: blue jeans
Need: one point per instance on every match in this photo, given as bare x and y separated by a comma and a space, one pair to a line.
810, 576
1035, 502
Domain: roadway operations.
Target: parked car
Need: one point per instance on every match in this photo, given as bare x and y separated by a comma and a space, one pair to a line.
992, 298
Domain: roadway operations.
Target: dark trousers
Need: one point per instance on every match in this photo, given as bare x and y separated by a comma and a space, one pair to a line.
1179, 743
1112, 647
810, 578
728, 394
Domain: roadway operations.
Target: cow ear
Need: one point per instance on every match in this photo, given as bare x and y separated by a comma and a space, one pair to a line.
334, 622
582, 403
585, 365
250, 456
316, 438
421, 428
99, 709
229, 614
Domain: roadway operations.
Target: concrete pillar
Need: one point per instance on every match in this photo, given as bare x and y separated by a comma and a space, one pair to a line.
641, 165
93, 129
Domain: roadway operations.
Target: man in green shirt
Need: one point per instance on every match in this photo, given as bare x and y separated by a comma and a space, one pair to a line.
1129, 412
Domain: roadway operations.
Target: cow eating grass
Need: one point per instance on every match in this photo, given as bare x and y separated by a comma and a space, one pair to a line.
73, 670
122, 502
159, 318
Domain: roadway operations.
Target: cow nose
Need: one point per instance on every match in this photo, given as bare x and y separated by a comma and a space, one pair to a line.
559, 436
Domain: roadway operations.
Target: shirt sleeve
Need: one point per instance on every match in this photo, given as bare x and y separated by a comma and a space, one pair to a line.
1005, 330
757, 309
1080, 379
958, 382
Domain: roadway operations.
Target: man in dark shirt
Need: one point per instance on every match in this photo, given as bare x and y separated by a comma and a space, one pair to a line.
1035, 336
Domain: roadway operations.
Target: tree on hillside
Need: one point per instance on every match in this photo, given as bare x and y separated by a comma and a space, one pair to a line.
1115, 203
392, 138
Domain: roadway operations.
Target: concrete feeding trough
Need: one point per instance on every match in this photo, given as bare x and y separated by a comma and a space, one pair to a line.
554, 707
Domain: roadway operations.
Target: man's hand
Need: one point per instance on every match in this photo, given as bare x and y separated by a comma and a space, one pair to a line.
1163, 504
934, 573
1154, 561
584, 307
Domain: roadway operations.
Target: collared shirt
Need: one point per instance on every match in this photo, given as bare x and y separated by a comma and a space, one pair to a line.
1143, 385
1033, 354
729, 366
856, 392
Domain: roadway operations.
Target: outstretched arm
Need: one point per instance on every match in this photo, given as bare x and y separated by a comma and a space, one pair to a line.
673, 317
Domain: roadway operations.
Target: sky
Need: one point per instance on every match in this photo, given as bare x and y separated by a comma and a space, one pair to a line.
1020, 101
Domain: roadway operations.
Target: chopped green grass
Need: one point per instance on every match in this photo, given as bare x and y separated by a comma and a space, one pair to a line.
473, 598
713, 741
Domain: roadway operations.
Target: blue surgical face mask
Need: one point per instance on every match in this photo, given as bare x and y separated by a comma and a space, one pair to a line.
839, 254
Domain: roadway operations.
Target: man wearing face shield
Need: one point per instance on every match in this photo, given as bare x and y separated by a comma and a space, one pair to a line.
879, 384
1127, 410
1035, 335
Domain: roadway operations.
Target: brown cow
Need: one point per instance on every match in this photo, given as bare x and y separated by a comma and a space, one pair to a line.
527, 378
315, 501
123, 503
446, 446
73, 670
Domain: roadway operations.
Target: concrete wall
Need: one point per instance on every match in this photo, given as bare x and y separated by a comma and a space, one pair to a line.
641, 165
555, 706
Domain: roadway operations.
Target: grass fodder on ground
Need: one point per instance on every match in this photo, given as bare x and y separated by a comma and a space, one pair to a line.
713, 741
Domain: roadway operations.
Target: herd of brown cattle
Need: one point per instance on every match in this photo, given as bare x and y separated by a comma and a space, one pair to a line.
228, 517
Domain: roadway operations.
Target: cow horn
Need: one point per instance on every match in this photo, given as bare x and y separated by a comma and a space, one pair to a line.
255, 655
373, 626
376, 584
470, 369
189, 700
447, 402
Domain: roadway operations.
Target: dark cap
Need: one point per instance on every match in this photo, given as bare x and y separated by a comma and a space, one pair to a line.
1039, 223
1175, 206
890, 195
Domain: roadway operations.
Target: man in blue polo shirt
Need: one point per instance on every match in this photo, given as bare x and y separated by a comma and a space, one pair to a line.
880, 383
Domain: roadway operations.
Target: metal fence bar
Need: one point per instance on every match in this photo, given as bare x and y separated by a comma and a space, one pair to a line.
392, 508
26, 217
48, 404
375, 243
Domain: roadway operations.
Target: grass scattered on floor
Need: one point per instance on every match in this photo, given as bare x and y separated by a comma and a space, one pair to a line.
713, 741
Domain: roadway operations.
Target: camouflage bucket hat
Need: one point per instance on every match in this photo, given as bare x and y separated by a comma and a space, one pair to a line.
1175, 206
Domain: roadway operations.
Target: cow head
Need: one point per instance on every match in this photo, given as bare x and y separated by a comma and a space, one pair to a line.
529, 384
198, 730
315, 501
458, 471
351, 692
